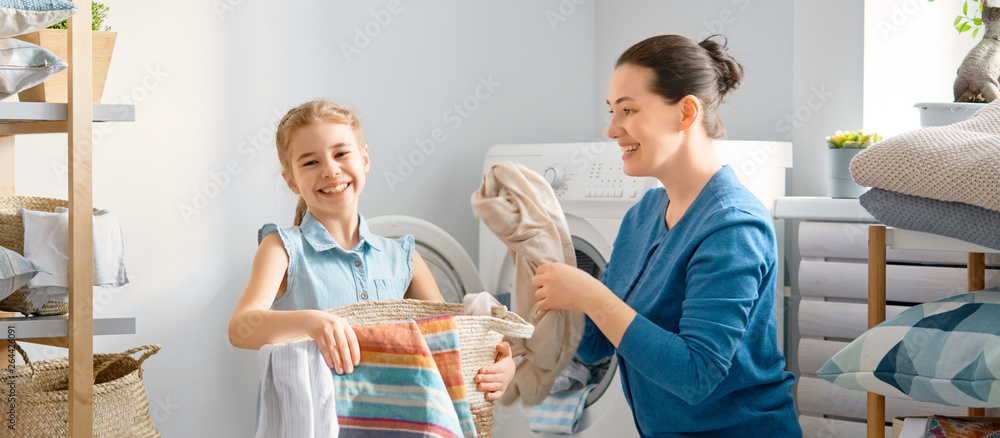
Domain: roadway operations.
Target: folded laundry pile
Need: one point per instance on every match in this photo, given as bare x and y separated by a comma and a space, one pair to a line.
942, 179
409, 382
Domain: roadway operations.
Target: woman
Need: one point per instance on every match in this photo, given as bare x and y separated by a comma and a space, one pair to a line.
687, 299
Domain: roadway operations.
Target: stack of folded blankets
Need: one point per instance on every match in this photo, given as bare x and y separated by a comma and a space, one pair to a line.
943, 180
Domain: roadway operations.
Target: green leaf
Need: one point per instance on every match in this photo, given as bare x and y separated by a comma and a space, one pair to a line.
978, 21
957, 20
975, 32
965, 8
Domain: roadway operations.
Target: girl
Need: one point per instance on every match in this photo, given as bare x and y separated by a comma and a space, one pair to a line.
329, 258
686, 301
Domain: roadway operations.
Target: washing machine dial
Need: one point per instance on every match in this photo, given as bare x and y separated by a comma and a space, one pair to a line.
556, 176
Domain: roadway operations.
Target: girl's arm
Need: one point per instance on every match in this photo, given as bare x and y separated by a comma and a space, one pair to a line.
253, 323
422, 286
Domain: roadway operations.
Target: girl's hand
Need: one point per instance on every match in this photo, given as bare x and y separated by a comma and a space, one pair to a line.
563, 287
493, 379
336, 340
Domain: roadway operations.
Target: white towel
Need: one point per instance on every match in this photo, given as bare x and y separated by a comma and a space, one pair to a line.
297, 393
46, 242
480, 304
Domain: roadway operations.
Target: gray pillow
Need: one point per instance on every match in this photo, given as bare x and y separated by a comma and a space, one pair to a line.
22, 16
24, 65
15, 271
966, 222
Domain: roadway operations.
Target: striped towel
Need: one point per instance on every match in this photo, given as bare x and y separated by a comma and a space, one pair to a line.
559, 412
397, 390
441, 335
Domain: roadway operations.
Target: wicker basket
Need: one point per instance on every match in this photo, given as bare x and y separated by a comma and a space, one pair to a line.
479, 336
41, 397
12, 238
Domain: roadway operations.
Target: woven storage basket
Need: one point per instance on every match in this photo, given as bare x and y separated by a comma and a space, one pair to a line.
12, 238
479, 336
41, 397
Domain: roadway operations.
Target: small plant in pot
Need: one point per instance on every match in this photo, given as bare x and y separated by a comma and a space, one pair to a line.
843, 146
55, 40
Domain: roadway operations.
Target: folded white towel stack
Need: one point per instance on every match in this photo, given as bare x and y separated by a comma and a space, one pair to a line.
46, 242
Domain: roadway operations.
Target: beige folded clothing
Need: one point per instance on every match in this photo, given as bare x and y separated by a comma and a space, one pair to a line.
519, 207
954, 163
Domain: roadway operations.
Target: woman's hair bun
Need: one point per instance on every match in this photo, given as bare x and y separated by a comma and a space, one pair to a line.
730, 72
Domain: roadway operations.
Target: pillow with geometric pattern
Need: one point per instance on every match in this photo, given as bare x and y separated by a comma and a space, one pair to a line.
15, 271
22, 16
945, 352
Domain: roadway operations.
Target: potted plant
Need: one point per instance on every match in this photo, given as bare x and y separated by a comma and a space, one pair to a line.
843, 146
976, 80
55, 39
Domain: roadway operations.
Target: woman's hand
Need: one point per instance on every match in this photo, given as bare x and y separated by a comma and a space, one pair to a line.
336, 340
493, 379
563, 287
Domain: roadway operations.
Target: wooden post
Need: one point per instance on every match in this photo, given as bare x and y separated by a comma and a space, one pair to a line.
876, 315
81, 256
977, 281
6, 165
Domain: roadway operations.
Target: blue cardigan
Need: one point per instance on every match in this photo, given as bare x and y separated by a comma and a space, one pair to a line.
701, 357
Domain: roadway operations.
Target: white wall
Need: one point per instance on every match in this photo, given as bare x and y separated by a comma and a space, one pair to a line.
206, 76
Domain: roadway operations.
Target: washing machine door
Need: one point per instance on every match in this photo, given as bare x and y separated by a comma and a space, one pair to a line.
453, 269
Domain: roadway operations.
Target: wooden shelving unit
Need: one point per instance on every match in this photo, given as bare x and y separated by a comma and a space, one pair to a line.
880, 238
75, 118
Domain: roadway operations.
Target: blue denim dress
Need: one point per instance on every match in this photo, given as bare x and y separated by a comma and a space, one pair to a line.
322, 275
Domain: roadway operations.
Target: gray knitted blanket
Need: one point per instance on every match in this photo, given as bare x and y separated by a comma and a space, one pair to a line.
954, 163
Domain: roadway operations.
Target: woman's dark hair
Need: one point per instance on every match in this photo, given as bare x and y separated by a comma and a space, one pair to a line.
682, 67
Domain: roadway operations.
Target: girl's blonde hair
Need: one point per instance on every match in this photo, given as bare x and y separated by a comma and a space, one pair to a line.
308, 113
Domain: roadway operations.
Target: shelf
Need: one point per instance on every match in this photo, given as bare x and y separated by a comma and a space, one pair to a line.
42, 111
58, 326
821, 209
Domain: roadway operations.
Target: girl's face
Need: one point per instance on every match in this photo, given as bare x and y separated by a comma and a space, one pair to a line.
647, 128
328, 168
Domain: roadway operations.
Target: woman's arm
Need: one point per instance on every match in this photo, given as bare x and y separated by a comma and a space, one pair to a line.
423, 286
253, 323
560, 286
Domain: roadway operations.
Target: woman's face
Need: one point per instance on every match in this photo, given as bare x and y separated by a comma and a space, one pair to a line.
646, 126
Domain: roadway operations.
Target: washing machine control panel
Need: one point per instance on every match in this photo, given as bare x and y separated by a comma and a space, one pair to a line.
593, 171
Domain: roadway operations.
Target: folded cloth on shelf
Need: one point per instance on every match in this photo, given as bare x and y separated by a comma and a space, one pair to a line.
441, 335
397, 387
296, 395
561, 410
519, 207
954, 163
46, 237
953, 219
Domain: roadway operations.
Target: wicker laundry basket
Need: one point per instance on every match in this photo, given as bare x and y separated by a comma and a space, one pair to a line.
41, 397
479, 336
12, 238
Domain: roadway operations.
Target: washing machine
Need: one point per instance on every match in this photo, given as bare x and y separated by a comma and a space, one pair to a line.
595, 194
453, 270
